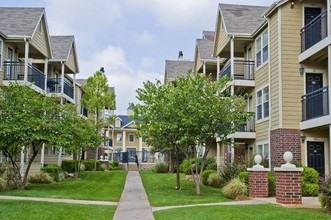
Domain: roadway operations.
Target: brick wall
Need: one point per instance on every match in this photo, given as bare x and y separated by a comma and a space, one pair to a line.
90, 154
282, 140
258, 184
239, 153
288, 187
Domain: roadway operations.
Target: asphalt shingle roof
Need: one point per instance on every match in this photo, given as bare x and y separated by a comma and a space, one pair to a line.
19, 21
205, 48
210, 35
242, 19
61, 46
173, 69
125, 119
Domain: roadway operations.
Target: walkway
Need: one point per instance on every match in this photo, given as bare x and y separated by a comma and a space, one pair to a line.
134, 203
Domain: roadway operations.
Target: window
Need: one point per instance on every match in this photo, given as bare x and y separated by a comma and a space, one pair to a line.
0, 54
119, 138
262, 49
131, 138
263, 150
262, 103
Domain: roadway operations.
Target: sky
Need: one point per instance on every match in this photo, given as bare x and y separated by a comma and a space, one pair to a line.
131, 39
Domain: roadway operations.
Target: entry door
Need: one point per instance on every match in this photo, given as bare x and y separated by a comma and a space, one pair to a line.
315, 152
313, 32
131, 154
314, 99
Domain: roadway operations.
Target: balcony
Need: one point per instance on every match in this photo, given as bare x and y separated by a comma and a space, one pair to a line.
249, 126
54, 86
243, 70
314, 31
315, 104
14, 71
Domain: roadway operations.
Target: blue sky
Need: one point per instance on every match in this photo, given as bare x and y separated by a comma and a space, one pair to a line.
131, 39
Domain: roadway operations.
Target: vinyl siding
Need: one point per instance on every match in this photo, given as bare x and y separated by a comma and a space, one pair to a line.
197, 63
71, 62
292, 81
222, 38
40, 40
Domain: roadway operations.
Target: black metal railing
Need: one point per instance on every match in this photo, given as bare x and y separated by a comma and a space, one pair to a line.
315, 104
14, 70
243, 69
84, 111
143, 156
54, 86
315, 31
249, 126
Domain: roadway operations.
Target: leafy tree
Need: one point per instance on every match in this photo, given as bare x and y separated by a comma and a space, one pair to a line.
192, 111
96, 98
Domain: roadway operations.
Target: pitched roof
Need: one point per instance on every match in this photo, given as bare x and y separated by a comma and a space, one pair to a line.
61, 46
210, 35
173, 68
125, 120
205, 48
19, 21
242, 19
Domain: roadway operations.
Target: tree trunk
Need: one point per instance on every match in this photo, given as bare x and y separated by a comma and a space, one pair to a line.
25, 177
177, 169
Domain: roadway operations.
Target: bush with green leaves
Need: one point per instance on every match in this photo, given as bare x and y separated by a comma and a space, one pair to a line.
70, 166
3, 185
185, 166
40, 178
89, 165
210, 164
204, 176
235, 189
271, 184
244, 177
230, 171
54, 171
309, 182
215, 180
325, 195
160, 168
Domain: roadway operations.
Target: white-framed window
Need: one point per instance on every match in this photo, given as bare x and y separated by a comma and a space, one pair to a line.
262, 103
263, 150
1, 47
262, 49
131, 138
119, 137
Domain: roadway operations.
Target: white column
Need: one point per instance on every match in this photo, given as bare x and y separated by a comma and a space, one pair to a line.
329, 75
59, 157
218, 158
26, 60
328, 153
22, 162
232, 63
62, 82
204, 68
42, 156
74, 94
140, 148
328, 13
46, 73
124, 141
218, 67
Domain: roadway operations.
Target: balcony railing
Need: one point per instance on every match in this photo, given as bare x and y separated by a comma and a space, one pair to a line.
84, 111
315, 31
14, 70
54, 86
243, 69
143, 156
249, 126
315, 104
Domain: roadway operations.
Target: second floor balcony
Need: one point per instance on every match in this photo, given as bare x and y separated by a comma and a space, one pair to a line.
315, 104
249, 126
313, 32
243, 70
54, 86
14, 71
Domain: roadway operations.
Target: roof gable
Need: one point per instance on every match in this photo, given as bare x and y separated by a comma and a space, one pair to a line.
174, 69
61, 46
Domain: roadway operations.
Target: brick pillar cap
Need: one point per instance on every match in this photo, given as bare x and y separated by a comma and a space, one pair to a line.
298, 169
258, 169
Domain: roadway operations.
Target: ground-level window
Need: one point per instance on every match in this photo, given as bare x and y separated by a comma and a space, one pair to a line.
263, 150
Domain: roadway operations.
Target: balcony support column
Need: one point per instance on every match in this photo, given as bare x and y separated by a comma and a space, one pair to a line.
59, 157
124, 141
232, 62
46, 73
74, 91
329, 82
328, 14
140, 148
218, 157
42, 156
62, 81
204, 68
26, 60
218, 67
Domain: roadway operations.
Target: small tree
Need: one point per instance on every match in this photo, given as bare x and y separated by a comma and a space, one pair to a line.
189, 112
96, 98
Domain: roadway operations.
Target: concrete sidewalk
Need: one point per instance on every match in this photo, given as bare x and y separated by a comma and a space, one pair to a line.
134, 203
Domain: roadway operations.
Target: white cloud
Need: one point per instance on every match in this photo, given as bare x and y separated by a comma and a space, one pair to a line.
120, 74
144, 37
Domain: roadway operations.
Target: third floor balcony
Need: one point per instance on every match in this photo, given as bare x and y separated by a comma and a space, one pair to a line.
243, 70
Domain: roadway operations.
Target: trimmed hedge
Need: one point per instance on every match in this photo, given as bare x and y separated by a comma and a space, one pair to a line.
54, 171
70, 166
204, 176
89, 165
309, 180
160, 168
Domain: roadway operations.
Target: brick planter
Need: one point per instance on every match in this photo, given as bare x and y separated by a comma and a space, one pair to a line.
258, 182
288, 186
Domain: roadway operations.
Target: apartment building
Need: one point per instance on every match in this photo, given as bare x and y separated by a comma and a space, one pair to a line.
176, 68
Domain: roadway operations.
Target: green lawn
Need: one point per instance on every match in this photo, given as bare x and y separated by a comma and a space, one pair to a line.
47, 210
104, 186
247, 212
160, 189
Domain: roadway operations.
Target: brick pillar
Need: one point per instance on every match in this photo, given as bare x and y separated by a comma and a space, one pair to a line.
288, 185
258, 182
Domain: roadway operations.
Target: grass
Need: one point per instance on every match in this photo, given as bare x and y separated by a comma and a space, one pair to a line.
160, 189
103, 186
247, 212
47, 210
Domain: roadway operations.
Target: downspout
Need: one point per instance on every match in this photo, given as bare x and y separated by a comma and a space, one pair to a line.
26, 59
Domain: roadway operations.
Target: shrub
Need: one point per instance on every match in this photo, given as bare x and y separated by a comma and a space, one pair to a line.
205, 175
3, 185
244, 177
230, 171
116, 164
210, 164
309, 182
185, 166
215, 180
271, 184
160, 168
40, 178
70, 166
234, 189
105, 166
325, 195
54, 171
89, 165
